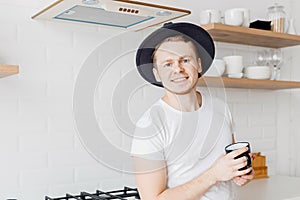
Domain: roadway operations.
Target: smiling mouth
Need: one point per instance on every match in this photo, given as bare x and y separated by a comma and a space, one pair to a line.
177, 80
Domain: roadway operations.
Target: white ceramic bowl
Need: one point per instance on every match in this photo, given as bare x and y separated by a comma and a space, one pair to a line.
258, 72
216, 69
234, 64
238, 75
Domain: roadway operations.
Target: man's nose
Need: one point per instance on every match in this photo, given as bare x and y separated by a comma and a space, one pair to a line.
177, 67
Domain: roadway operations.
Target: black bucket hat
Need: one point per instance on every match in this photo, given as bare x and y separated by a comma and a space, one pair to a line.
201, 39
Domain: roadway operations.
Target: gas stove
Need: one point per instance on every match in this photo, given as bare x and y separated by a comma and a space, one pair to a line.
124, 194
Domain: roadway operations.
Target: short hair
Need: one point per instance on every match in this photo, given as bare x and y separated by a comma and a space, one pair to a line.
176, 38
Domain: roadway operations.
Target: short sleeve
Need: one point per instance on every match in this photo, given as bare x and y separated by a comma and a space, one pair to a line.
148, 142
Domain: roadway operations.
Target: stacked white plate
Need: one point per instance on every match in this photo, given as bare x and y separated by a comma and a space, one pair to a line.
258, 72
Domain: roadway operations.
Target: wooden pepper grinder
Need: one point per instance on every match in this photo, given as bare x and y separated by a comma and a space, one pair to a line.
259, 166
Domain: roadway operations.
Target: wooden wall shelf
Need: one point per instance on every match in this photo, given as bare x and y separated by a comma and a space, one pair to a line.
243, 83
250, 36
7, 70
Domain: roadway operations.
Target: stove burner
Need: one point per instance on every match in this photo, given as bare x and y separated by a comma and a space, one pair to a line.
125, 194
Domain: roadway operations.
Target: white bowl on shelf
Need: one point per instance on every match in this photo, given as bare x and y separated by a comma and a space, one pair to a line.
234, 64
258, 72
237, 75
216, 69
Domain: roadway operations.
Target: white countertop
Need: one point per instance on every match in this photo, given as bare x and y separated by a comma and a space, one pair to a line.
272, 188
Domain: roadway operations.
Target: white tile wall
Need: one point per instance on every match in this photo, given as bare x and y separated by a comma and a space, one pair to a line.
40, 151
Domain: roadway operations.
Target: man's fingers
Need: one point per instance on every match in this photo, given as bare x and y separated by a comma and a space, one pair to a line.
250, 176
240, 160
235, 153
239, 166
243, 172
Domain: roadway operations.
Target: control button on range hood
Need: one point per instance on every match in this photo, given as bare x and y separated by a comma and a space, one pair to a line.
125, 14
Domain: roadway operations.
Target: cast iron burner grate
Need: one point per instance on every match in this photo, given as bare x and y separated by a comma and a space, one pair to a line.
125, 194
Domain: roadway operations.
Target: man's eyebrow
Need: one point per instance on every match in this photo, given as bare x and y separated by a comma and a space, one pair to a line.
167, 60
185, 56
170, 59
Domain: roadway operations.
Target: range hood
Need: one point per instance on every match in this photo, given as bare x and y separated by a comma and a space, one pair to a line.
125, 14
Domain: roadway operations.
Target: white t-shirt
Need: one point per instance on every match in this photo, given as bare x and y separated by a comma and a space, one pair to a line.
189, 142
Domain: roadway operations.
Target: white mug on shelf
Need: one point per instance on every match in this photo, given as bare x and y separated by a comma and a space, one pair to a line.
234, 17
210, 16
246, 18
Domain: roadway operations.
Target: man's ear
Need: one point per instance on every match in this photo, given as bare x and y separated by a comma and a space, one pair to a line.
200, 66
156, 75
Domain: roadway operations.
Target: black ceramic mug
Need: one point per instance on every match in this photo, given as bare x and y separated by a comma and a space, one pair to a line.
238, 145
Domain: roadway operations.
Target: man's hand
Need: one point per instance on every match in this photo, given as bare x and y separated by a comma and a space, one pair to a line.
227, 168
243, 180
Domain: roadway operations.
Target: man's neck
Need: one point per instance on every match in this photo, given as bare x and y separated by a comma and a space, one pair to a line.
184, 102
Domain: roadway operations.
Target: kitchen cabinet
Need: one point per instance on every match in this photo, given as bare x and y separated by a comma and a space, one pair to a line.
253, 37
7, 70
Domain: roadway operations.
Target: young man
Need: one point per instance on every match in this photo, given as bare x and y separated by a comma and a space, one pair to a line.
178, 148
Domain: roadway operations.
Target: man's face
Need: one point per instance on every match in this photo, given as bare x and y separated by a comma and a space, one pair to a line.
177, 66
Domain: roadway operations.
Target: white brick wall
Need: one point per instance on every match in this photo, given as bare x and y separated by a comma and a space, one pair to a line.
40, 151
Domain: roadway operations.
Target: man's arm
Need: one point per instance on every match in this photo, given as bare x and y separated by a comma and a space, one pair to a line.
153, 185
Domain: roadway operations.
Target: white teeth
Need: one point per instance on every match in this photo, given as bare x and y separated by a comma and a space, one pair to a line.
179, 79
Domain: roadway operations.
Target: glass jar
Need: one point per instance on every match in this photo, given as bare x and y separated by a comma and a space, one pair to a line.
277, 17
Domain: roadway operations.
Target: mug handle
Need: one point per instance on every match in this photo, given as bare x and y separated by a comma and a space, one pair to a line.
249, 163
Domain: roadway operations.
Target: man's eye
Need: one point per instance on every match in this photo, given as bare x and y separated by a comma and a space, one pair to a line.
168, 65
185, 60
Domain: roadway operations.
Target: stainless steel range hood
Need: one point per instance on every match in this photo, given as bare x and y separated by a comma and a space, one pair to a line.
125, 14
